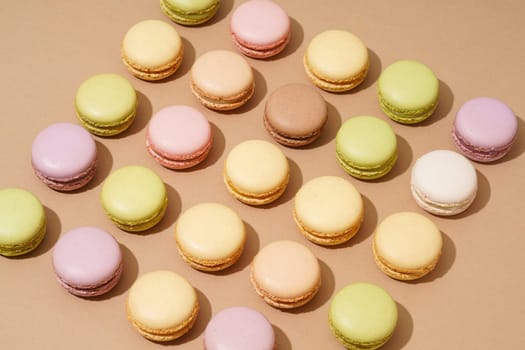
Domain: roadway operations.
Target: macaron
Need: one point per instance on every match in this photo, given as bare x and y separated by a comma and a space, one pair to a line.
190, 13
286, 274
336, 60
162, 305
134, 198
256, 172
179, 137
260, 28
328, 210
152, 50
407, 245
64, 156
366, 147
444, 182
294, 115
210, 236
222, 80
239, 328
106, 104
485, 129
362, 316
22, 222
87, 261
408, 91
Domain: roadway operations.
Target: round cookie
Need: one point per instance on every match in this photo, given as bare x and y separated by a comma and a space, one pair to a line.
152, 50
366, 147
408, 91
179, 137
328, 210
134, 198
239, 328
485, 129
87, 261
407, 246
260, 28
362, 316
22, 222
190, 12
222, 80
336, 60
294, 115
210, 236
256, 172
286, 274
63, 156
444, 182
162, 305
106, 104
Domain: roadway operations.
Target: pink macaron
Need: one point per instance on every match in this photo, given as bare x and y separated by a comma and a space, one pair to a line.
239, 328
87, 261
260, 28
64, 156
179, 137
485, 129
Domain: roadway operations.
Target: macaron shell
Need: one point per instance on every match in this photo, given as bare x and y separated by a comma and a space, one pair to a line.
286, 274
86, 258
239, 328
189, 12
362, 316
63, 151
22, 222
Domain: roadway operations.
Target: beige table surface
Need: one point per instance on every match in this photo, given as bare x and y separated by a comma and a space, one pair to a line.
473, 300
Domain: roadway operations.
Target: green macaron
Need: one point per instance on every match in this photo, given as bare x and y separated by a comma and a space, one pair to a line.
362, 316
22, 222
408, 91
189, 12
366, 147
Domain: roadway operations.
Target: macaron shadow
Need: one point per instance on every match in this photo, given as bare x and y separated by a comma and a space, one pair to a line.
518, 148
374, 71
481, 200
216, 151
103, 168
171, 215
53, 228
403, 162
282, 342
188, 59
323, 295
224, 10
142, 117
294, 184
296, 40
259, 94
130, 272
403, 331
330, 128
445, 103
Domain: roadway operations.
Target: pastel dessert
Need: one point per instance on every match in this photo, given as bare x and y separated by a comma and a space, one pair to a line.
87, 261
190, 12
162, 305
260, 28
444, 182
179, 137
407, 246
366, 147
336, 60
256, 172
286, 274
210, 236
294, 115
328, 210
239, 328
152, 50
64, 156
362, 316
22, 222
106, 104
134, 198
222, 80
485, 129
408, 91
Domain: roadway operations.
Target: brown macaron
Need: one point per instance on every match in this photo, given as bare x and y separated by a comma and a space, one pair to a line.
295, 114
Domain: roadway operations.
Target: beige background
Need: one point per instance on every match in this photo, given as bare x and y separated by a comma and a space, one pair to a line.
473, 300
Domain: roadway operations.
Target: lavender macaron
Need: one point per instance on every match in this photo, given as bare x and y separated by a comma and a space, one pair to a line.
239, 328
87, 261
485, 129
64, 156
